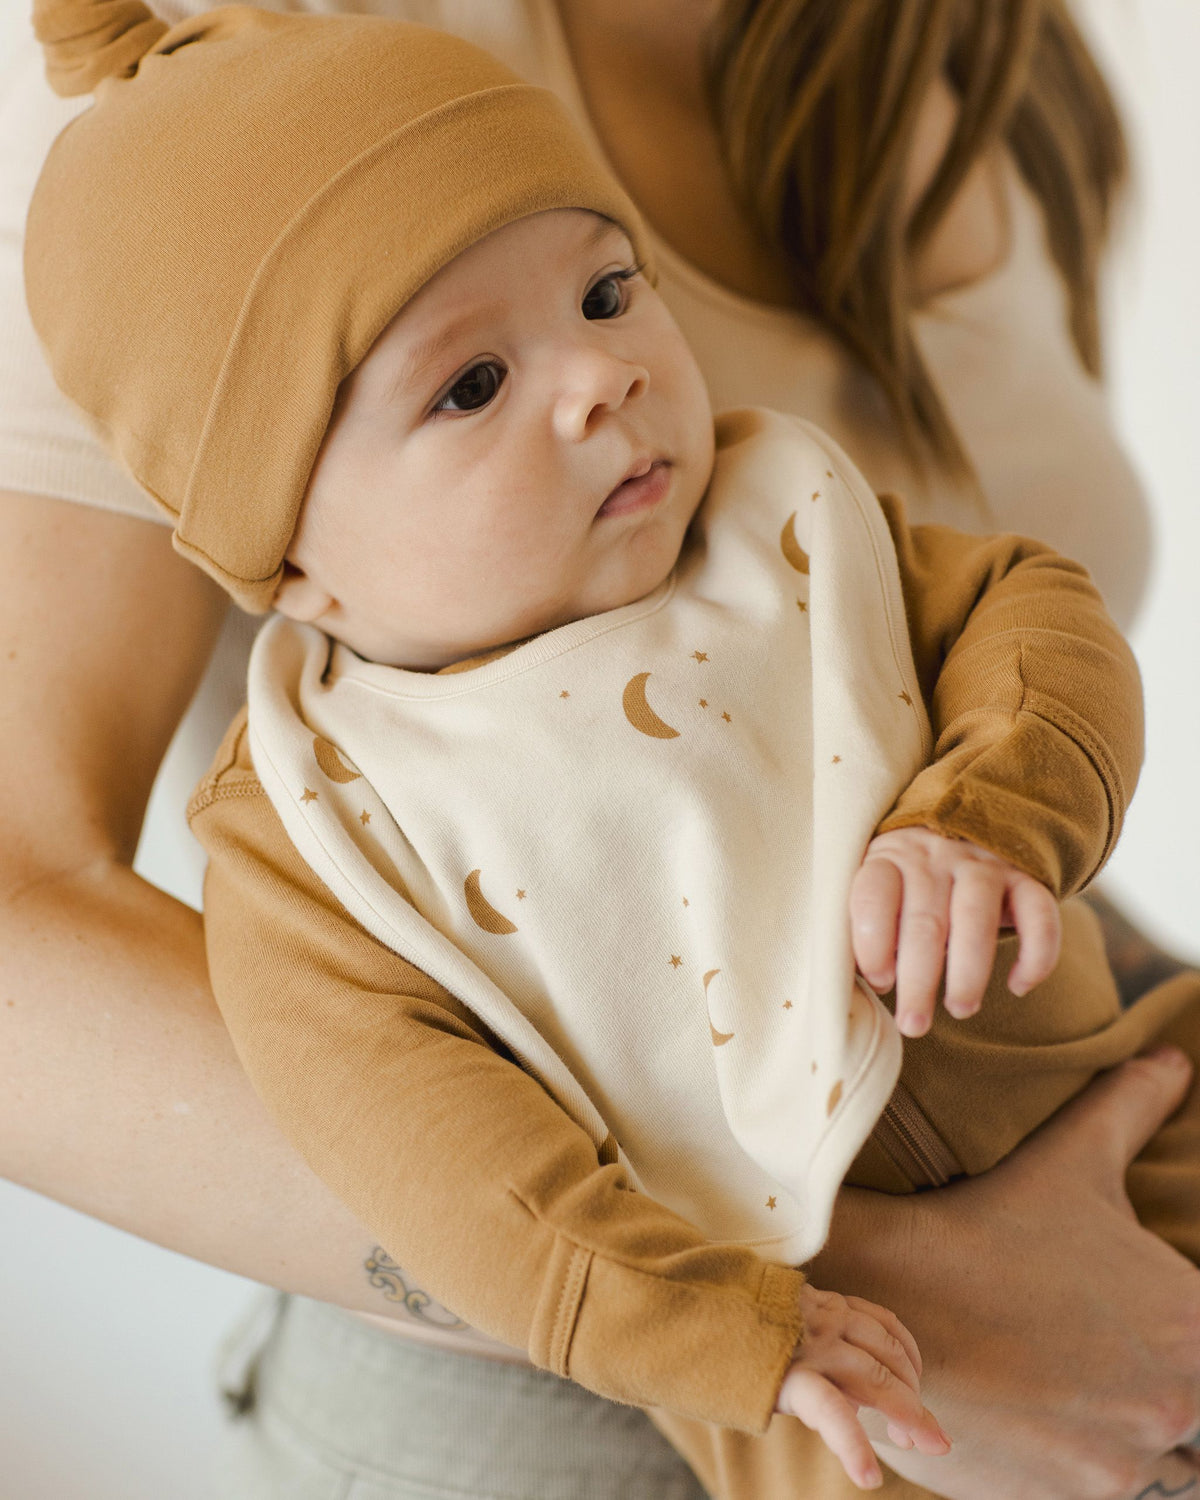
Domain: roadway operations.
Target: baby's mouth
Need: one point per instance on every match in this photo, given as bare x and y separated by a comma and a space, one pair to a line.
645, 485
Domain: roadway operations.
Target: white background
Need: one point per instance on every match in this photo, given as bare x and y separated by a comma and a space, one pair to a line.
107, 1345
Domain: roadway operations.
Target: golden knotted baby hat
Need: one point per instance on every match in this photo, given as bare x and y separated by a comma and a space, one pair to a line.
218, 241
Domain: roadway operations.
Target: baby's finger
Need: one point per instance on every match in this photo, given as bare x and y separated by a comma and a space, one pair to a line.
975, 903
1036, 917
866, 1382
892, 1325
811, 1399
865, 1332
875, 897
921, 949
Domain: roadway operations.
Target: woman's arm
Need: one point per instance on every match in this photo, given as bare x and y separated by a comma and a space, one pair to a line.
119, 1091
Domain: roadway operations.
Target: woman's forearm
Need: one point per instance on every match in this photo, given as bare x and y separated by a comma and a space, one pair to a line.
120, 1094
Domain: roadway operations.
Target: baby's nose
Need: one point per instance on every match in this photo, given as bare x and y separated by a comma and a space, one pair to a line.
596, 383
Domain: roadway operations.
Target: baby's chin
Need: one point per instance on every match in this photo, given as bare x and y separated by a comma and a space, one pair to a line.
389, 645
520, 635
622, 598
647, 574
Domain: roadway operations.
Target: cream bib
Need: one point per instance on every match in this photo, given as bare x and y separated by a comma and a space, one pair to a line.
627, 845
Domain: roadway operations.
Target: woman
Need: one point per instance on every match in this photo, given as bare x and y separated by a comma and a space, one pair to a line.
135, 958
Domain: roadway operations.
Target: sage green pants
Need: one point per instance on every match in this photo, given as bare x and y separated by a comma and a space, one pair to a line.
335, 1409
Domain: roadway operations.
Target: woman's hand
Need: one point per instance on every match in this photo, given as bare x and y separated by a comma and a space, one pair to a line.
1060, 1340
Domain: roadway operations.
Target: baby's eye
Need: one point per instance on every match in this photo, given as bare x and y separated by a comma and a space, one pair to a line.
474, 388
607, 298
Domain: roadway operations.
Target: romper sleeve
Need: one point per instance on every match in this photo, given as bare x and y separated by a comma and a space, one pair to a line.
1034, 698
472, 1177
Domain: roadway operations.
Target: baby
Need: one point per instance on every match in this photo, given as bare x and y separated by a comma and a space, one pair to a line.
464, 500
585, 717
525, 447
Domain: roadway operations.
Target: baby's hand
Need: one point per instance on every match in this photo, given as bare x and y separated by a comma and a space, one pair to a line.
854, 1354
920, 901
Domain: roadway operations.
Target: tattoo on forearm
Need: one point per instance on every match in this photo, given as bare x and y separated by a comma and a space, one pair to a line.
1157, 1492
388, 1277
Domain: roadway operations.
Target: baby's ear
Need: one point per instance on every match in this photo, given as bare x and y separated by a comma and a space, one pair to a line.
299, 597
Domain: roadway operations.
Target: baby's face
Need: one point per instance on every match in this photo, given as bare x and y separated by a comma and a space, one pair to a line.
524, 445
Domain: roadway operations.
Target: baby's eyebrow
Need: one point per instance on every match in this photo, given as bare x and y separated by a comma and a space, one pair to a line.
431, 349
428, 351
601, 229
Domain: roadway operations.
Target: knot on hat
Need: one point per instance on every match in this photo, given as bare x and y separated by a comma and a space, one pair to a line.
86, 41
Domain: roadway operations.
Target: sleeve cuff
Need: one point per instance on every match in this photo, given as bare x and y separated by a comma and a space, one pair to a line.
717, 1353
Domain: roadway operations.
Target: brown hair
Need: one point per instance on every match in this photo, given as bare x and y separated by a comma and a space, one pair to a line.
816, 103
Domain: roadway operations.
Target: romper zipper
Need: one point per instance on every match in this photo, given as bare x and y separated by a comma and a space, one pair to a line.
906, 1135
